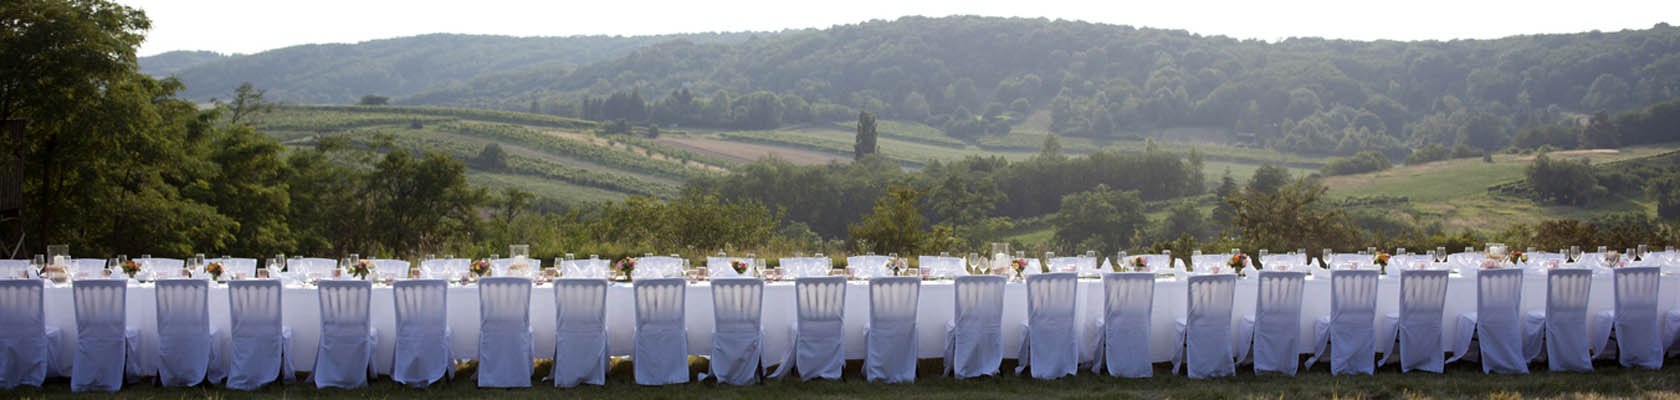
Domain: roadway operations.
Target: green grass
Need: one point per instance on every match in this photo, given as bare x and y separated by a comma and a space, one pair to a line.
1461, 380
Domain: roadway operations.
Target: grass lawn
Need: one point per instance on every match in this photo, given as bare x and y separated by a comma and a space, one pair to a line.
1462, 380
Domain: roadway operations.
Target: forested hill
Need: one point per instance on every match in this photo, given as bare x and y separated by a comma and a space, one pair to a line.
343, 73
978, 76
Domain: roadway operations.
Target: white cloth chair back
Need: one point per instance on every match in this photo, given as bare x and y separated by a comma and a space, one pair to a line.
974, 343
1417, 327
246, 267
311, 266
504, 342
1498, 320
89, 266
942, 267
658, 267
1565, 320
1160, 262
721, 267
1207, 326
1637, 325
1351, 326
890, 338
1276, 326
184, 336
165, 266
594, 268
1284, 262
737, 336
818, 338
866, 267
25, 339
1049, 340
446, 267
1128, 304
423, 355
805, 267
259, 340
580, 340
1206, 262
1340, 261
101, 335
389, 266
1072, 264
347, 341
661, 338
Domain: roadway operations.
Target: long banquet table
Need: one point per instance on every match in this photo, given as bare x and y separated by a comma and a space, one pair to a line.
301, 314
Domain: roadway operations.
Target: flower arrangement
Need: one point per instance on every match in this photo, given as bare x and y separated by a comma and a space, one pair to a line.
361, 269
130, 267
214, 269
739, 266
480, 268
1237, 262
625, 266
1138, 264
1517, 256
1019, 264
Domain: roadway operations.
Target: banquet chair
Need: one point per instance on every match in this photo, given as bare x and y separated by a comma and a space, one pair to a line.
237, 266
1123, 331
580, 339
974, 336
386, 265
661, 355
1495, 326
88, 266
312, 265
1349, 329
259, 341
1049, 341
105, 345
890, 335
738, 334
1203, 347
423, 354
1634, 321
1561, 329
15, 269
504, 340
345, 358
817, 350
1414, 336
188, 345
1272, 335
28, 346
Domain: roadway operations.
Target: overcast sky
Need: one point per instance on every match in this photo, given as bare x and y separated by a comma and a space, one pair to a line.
244, 26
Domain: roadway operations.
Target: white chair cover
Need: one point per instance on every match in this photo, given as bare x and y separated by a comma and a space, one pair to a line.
658, 267
88, 266
104, 342
1205, 263
1123, 338
161, 266
1417, 327
818, 338
1350, 329
1562, 327
27, 344
974, 337
1073, 264
1634, 322
661, 353
890, 337
942, 267
1339, 261
1049, 336
865, 267
311, 265
580, 340
737, 334
1284, 262
1496, 324
1160, 262
345, 358
397, 267
446, 267
13, 269
423, 354
1204, 334
259, 344
504, 341
593, 268
719, 267
246, 267
187, 343
1275, 327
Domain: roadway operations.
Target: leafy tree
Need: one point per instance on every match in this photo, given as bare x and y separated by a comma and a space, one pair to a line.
865, 136
1601, 132
1101, 216
1222, 209
895, 223
1564, 181
1427, 153
247, 101
492, 158
1362, 162
421, 204
1268, 179
1292, 216
1666, 192
1181, 220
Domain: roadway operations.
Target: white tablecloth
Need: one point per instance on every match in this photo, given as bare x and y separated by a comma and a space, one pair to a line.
936, 308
